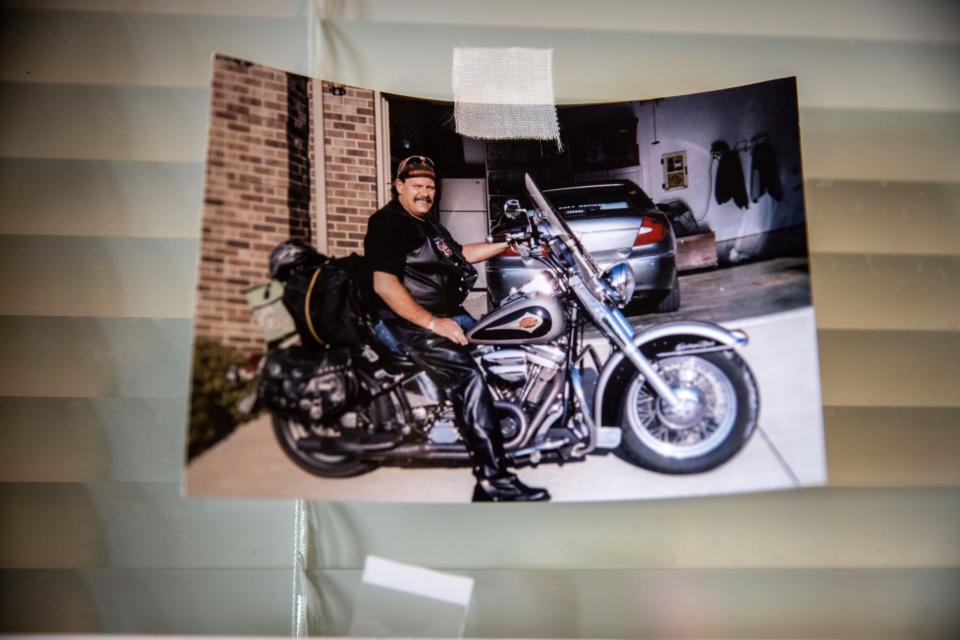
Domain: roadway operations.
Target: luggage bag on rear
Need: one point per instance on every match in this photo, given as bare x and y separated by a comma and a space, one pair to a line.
325, 301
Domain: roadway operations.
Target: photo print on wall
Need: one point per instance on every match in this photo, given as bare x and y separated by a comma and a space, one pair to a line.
626, 318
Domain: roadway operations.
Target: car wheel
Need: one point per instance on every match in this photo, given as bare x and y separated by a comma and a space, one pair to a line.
670, 302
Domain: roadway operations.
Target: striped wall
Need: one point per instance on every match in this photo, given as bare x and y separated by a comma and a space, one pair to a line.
103, 119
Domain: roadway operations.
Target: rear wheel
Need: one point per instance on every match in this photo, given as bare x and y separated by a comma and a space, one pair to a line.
718, 413
313, 454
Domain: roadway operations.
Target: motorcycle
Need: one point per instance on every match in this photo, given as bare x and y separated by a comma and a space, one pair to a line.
675, 398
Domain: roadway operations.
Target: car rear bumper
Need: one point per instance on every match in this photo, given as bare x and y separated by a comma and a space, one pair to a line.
654, 267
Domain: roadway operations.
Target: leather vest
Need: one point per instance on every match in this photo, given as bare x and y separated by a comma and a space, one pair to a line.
437, 275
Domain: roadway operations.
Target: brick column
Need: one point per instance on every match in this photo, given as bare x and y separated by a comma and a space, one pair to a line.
350, 166
298, 155
257, 191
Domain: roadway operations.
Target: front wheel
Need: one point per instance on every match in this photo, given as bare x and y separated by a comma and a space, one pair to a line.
309, 453
716, 416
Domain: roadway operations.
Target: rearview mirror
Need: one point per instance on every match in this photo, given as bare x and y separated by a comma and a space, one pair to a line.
512, 209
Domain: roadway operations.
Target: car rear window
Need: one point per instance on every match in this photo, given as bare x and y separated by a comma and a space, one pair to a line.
598, 201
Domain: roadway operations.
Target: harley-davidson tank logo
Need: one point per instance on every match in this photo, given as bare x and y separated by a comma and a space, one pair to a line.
529, 322
526, 323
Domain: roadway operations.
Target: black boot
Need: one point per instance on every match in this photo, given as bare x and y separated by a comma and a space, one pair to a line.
485, 442
507, 488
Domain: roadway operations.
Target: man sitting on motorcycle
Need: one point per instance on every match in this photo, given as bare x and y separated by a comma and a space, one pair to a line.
421, 276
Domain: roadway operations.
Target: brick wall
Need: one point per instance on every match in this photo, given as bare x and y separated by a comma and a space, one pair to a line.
350, 167
257, 192
259, 185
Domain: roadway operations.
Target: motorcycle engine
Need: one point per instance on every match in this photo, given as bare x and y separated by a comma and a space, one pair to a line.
428, 408
524, 372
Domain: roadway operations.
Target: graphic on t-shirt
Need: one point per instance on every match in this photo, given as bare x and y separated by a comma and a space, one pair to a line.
442, 246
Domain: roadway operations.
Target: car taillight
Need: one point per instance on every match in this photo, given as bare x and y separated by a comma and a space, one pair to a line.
651, 230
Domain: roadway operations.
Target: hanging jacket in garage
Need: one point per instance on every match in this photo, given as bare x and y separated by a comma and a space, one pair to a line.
730, 180
764, 172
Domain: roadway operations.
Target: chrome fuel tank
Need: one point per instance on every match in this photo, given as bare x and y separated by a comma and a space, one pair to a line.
524, 320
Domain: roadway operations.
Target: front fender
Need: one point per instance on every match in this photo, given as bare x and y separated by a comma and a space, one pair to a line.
651, 341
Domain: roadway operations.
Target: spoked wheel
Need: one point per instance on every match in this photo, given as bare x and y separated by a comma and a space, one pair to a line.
718, 410
312, 454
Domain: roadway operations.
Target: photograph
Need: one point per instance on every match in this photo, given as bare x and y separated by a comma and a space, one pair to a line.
390, 311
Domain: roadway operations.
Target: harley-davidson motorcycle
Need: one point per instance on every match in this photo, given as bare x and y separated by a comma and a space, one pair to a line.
674, 398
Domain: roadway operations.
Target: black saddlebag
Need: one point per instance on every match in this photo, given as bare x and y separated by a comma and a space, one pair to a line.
326, 302
311, 385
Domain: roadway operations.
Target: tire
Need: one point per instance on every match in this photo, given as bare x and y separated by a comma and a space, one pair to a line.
670, 302
689, 445
328, 465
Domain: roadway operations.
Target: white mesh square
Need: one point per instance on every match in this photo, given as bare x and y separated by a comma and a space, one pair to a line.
504, 93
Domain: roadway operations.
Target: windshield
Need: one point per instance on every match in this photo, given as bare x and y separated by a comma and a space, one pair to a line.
558, 226
598, 200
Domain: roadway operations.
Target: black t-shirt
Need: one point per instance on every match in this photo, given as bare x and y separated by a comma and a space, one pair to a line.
392, 235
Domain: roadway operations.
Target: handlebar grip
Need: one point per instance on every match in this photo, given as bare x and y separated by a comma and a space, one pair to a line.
500, 237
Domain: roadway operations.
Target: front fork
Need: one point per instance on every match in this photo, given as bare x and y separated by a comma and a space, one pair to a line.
621, 333
624, 336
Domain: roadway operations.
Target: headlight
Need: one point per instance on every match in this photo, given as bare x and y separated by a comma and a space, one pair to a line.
621, 281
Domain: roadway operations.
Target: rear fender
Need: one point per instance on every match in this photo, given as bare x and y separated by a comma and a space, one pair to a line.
684, 336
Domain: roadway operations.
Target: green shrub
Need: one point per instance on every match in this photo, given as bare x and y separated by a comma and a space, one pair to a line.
213, 399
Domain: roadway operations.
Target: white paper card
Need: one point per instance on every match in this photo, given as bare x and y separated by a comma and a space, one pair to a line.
418, 581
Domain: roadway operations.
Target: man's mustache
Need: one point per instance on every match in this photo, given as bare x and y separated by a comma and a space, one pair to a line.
428, 199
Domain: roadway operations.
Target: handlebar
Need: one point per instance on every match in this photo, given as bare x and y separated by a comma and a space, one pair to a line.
507, 237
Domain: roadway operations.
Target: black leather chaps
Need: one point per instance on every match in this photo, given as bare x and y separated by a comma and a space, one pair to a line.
453, 369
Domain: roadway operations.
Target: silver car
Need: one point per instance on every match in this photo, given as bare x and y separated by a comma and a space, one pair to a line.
616, 222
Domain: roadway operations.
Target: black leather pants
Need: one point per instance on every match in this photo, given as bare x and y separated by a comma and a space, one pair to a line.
452, 368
